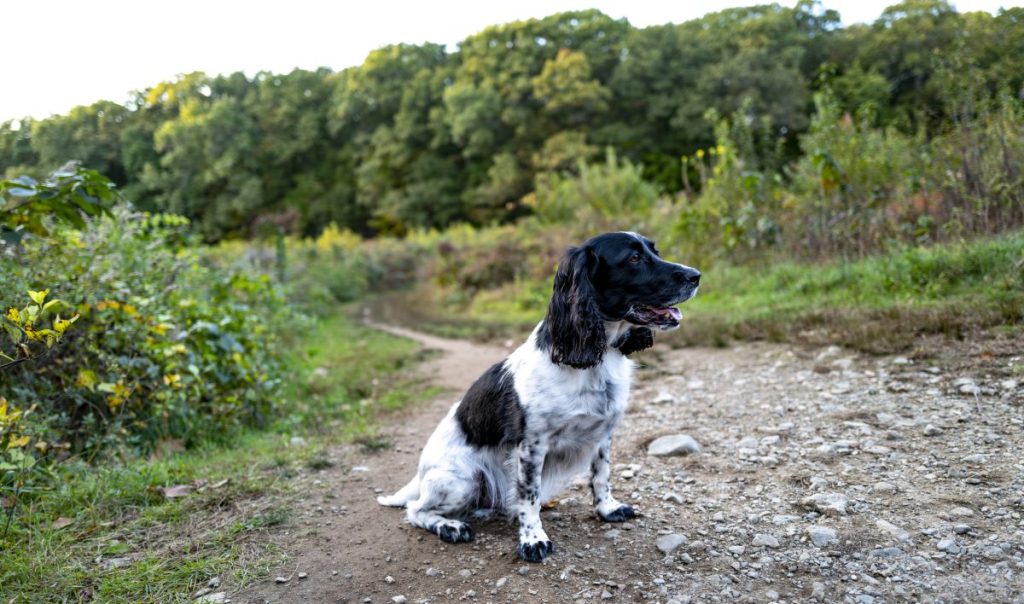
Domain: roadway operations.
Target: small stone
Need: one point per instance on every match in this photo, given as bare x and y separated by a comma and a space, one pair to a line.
892, 529
432, 572
215, 598
765, 540
864, 599
948, 545
399, 599
280, 580
465, 573
883, 487
827, 503
970, 389
201, 592
737, 549
676, 444
818, 591
303, 575
389, 579
612, 534
664, 397
931, 430
668, 543
213, 583
961, 529
822, 536
993, 552
961, 511
771, 595
975, 459
360, 469
627, 474
523, 570
606, 595
501, 582
781, 519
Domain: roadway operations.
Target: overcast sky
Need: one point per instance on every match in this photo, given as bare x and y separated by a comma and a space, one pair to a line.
58, 54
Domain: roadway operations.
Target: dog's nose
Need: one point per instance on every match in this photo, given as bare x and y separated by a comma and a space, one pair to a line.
688, 276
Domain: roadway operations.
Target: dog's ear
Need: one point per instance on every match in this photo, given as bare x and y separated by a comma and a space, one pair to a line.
574, 320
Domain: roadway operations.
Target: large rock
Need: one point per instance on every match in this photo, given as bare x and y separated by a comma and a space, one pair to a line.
676, 444
668, 543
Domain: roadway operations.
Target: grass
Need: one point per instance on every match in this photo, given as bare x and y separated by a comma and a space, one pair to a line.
878, 304
342, 376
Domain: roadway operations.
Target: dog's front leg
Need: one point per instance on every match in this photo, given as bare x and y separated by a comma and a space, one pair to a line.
534, 544
606, 506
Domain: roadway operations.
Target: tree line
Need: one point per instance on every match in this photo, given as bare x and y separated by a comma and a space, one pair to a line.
420, 136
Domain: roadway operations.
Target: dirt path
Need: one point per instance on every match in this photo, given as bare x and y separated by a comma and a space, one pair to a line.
825, 476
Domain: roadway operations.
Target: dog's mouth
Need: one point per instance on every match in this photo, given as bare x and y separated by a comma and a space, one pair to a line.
662, 317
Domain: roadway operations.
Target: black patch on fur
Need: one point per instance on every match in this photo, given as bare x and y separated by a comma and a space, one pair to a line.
490, 413
621, 514
574, 321
535, 552
460, 534
635, 340
543, 340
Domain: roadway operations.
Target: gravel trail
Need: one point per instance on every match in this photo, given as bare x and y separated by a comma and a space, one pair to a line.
808, 475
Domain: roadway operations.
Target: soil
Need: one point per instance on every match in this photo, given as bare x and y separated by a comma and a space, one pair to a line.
906, 472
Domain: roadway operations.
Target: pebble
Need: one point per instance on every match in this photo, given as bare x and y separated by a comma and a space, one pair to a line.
822, 536
220, 597
664, 397
892, 529
961, 511
280, 580
818, 591
827, 503
465, 573
675, 444
303, 575
961, 529
389, 579
883, 487
765, 540
948, 545
432, 572
399, 599
668, 543
501, 582
993, 552
737, 549
975, 459
213, 583
931, 430
606, 595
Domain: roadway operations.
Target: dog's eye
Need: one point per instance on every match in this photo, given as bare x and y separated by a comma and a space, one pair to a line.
635, 258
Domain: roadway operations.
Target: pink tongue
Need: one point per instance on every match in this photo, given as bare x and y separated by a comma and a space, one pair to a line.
671, 311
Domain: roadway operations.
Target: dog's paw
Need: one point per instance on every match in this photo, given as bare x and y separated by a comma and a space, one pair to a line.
534, 551
455, 532
620, 514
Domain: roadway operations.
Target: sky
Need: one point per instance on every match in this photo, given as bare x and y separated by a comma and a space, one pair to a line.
56, 54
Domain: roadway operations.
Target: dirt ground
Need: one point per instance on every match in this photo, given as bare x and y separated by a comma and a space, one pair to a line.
825, 476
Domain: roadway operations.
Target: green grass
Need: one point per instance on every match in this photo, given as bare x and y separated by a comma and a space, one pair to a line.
342, 377
880, 303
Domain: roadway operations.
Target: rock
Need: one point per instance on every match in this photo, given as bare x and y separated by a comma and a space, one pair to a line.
993, 552
948, 545
676, 444
302, 576
975, 459
737, 549
213, 583
399, 599
465, 573
389, 579
961, 529
112, 563
360, 469
432, 572
822, 536
961, 511
627, 474
501, 582
523, 570
606, 595
864, 599
931, 430
668, 543
673, 497
818, 591
781, 519
883, 487
280, 580
892, 529
664, 397
765, 540
612, 534
827, 503
215, 598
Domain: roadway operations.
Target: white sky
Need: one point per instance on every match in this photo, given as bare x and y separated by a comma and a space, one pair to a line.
55, 54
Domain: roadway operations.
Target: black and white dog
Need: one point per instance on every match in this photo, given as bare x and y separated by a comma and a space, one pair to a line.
546, 413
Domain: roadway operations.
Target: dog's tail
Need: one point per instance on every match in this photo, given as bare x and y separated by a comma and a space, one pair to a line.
404, 495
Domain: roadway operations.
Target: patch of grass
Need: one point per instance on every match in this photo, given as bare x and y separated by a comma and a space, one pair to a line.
878, 304
126, 542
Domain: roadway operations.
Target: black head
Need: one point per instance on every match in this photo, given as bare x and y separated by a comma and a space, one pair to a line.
613, 277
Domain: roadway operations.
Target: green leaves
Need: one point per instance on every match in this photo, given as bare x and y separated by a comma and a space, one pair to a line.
69, 196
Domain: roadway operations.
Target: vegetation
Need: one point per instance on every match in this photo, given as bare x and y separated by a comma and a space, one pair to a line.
419, 137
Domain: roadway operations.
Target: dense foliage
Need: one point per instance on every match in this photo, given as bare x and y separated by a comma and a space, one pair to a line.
418, 136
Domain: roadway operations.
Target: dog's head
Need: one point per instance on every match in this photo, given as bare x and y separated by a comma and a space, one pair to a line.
613, 277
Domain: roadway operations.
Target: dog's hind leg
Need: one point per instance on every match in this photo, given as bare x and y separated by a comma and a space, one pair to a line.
444, 494
404, 495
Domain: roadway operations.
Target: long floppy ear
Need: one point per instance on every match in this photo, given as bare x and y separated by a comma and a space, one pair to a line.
574, 320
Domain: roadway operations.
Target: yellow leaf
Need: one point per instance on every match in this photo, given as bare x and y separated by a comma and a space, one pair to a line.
87, 379
38, 297
14, 316
17, 442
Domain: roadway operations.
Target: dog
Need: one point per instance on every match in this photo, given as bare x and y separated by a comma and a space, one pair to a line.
546, 413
